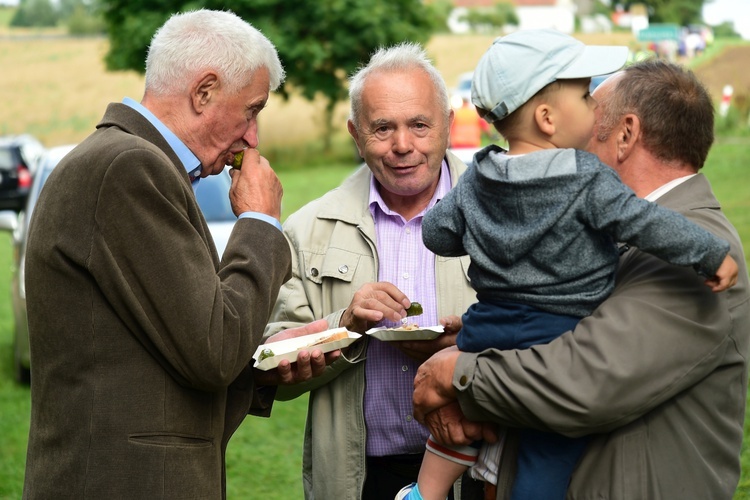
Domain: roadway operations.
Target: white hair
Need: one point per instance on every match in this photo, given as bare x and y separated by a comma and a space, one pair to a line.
191, 42
404, 56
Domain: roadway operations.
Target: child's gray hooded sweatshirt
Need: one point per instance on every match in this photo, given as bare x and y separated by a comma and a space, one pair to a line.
543, 228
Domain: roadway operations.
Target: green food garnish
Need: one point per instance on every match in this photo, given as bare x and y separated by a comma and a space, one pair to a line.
415, 309
237, 162
265, 353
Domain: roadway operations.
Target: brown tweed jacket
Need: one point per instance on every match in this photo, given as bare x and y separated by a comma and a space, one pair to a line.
140, 339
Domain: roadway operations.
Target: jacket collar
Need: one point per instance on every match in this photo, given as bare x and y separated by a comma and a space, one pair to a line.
354, 207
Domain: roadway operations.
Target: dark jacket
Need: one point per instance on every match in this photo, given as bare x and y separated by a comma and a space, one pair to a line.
140, 339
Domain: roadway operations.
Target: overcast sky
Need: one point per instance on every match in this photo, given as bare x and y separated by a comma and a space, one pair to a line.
717, 11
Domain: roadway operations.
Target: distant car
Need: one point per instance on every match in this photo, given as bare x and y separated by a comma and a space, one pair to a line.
212, 194
462, 91
18, 157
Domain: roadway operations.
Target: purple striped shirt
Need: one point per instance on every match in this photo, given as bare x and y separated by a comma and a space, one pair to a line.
405, 262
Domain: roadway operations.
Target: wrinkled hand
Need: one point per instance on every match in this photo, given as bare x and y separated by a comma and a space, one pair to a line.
255, 188
309, 364
372, 303
449, 426
726, 275
420, 350
433, 384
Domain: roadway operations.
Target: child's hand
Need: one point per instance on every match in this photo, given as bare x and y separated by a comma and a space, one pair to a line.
726, 276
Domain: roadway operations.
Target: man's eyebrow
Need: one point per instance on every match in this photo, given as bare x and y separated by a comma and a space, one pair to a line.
420, 118
380, 122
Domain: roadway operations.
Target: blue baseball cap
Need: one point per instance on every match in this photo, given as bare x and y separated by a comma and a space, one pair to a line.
519, 65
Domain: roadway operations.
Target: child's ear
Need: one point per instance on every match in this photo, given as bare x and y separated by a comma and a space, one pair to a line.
544, 119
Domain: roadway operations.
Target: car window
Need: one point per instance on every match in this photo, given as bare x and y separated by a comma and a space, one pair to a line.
212, 194
6, 159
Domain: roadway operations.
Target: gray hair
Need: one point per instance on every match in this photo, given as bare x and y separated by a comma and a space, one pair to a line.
191, 42
674, 107
404, 56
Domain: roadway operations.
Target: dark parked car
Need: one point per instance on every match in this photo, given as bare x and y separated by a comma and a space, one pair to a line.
18, 157
212, 194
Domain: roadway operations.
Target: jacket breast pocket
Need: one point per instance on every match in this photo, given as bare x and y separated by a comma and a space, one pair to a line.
336, 263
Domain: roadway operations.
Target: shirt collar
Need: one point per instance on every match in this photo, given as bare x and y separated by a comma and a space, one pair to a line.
190, 162
443, 186
661, 191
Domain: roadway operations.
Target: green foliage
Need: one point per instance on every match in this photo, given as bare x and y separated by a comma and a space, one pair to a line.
440, 11
487, 20
725, 30
81, 22
320, 43
682, 12
79, 15
35, 13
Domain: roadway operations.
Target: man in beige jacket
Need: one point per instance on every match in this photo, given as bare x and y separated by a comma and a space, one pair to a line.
358, 261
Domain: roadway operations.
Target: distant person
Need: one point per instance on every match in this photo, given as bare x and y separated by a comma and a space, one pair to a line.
141, 340
467, 128
658, 374
541, 223
359, 262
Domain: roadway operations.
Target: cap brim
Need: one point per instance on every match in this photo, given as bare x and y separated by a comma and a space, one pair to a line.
596, 60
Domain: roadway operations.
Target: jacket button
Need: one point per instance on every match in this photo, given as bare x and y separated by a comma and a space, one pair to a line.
344, 269
463, 380
314, 272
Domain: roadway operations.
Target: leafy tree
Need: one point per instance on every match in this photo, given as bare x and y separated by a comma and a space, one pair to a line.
725, 30
35, 13
682, 12
487, 19
320, 42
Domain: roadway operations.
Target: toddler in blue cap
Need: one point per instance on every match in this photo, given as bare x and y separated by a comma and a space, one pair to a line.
542, 223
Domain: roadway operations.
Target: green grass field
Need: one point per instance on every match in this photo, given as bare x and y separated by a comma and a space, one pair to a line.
265, 456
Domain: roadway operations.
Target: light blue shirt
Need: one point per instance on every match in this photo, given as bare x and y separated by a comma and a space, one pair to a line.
189, 161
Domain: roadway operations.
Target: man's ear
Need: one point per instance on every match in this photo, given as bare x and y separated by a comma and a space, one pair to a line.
628, 135
203, 90
355, 135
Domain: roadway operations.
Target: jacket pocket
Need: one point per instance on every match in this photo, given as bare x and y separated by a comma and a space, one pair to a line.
336, 263
161, 439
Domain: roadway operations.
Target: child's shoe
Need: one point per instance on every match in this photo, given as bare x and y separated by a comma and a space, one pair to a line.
410, 492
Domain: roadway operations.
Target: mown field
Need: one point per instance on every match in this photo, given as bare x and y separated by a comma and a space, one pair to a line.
57, 90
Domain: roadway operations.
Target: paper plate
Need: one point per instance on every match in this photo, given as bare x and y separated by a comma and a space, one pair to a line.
391, 334
289, 348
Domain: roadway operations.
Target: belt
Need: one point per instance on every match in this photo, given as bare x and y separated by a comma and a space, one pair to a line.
490, 491
398, 464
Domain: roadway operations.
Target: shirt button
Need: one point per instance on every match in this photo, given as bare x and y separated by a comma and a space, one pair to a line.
408, 230
344, 269
409, 418
404, 368
314, 272
406, 276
